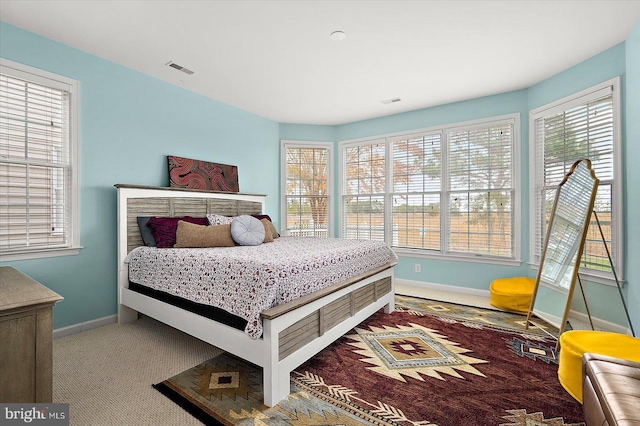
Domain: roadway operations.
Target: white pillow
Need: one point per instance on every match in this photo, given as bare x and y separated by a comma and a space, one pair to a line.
216, 219
247, 230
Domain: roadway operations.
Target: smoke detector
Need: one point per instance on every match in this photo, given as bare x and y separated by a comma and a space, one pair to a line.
338, 35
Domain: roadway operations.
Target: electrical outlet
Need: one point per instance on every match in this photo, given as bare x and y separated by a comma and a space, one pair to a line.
417, 267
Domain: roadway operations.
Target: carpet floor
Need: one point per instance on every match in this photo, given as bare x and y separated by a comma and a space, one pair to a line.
105, 374
428, 363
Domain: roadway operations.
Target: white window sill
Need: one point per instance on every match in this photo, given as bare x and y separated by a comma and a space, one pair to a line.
426, 254
40, 254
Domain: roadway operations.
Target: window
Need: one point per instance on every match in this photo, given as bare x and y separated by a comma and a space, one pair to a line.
363, 202
481, 191
38, 163
584, 125
417, 185
306, 169
447, 191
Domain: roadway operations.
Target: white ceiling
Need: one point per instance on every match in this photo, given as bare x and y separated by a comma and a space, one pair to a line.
276, 59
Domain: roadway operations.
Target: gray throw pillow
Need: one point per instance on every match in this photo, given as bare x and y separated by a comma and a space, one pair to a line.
145, 231
247, 230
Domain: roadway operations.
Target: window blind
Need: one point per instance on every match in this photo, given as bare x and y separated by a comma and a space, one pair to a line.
481, 190
364, 186
581, 128
35, 176
307, 210
417, 182
442, 191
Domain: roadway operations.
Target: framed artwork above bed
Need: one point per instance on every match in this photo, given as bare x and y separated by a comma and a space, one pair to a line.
199, 174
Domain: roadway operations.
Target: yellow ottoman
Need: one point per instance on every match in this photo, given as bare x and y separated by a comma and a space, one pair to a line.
512, 294
574, 344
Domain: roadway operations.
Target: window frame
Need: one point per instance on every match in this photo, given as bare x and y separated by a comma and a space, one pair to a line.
45, 78
286, 144
576, 99
386, 213
515, 176
439, 132
443, 253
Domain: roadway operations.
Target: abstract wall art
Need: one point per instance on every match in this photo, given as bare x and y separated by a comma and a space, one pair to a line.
198, 174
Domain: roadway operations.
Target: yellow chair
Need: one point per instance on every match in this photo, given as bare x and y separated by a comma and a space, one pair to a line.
574, 344
512, 294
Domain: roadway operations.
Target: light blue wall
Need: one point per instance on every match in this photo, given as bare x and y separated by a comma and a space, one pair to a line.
604, 301
590, 72
307, 132
489, 106
632, 175
471, 275
130, 122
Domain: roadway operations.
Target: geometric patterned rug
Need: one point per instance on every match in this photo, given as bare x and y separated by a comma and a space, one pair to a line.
427, 363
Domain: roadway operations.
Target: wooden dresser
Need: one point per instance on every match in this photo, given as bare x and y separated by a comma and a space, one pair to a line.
26, 341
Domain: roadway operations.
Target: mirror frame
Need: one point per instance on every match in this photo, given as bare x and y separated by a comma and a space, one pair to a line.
577, 248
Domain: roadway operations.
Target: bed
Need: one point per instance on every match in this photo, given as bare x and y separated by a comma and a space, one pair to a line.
287, 334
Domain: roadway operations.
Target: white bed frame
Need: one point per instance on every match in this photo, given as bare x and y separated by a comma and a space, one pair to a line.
293, 332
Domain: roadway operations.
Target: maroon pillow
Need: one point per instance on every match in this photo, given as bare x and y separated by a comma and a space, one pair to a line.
164, 228
262, 216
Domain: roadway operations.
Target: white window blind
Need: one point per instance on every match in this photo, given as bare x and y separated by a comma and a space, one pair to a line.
481, 190
307, 188
363, 199
35, 163
582, 126
417, 183
439, 192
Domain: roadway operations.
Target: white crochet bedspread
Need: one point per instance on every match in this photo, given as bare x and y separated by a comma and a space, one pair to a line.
247, 280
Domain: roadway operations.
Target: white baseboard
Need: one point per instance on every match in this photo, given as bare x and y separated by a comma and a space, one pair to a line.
442, 287
599, 324
84, 326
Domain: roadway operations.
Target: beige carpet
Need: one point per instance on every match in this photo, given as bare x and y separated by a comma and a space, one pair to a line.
105, 374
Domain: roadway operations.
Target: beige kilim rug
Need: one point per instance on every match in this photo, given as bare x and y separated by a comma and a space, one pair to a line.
428, 363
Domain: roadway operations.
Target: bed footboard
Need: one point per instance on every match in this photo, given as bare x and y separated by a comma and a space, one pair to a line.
297, 335
317, 323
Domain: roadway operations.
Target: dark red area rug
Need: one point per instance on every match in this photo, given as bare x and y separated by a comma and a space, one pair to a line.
428, 363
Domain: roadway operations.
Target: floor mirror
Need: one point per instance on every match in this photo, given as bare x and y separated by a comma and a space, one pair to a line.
564, 245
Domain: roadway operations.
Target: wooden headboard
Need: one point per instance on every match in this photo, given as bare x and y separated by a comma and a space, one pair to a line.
135, 200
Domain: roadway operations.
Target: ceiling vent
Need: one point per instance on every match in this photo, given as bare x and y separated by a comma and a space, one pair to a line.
391, 101
179, 67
